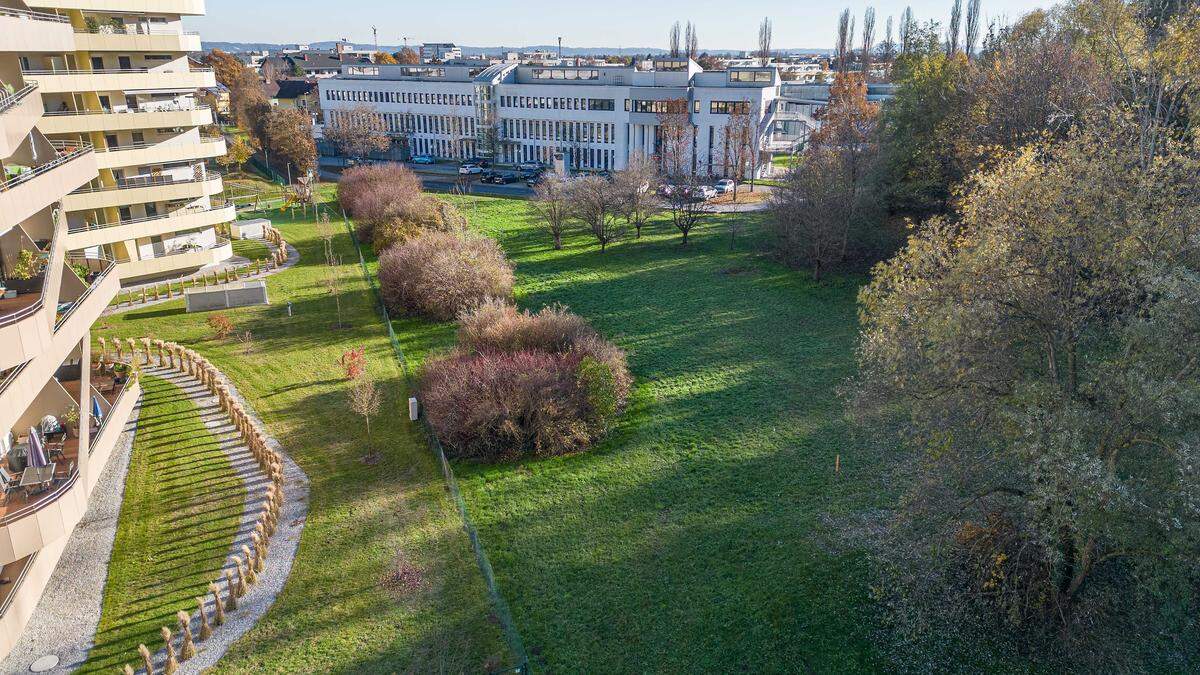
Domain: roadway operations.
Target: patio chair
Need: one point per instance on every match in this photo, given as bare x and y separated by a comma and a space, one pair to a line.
7, 483
54, 450
64, 476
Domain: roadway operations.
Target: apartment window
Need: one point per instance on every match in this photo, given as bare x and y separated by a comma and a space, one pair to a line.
729, 107
750, 76
659, 106
600, 104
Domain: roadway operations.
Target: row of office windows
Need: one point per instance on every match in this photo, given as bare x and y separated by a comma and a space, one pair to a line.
565, 74
420, 97
397, 123
558, 130
438, 147
555, 103
577, 158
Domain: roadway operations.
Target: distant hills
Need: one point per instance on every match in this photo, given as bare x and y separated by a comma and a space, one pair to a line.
467, 49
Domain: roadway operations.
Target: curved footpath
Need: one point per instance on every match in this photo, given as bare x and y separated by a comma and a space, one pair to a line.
64, 623
255, 603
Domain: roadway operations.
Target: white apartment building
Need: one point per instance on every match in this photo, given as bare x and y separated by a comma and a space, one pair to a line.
124, 85
595, 117
440, 51
52, 289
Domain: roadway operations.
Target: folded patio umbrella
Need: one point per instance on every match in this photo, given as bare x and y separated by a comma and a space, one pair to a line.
37, 454
96, 411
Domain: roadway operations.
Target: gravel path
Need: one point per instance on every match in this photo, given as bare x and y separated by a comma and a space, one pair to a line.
254, 604
67, 614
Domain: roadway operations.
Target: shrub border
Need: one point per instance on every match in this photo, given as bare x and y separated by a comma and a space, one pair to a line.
499, 606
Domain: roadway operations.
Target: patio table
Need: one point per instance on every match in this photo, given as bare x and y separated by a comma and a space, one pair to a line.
37, 476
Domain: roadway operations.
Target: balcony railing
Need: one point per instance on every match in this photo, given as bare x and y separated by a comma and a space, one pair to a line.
114, 71
16, 583
158, 144
188, 248
148, 181
64, 152
8, 100
11, 376
60, 488
165, 108
185, 211
109, 29
33, 16
101, 267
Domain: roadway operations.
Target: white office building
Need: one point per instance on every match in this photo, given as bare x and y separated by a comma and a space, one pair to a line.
595, 117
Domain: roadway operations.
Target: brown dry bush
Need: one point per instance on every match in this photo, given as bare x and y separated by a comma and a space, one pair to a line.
498, 326
439, 275
388, 207
524, 384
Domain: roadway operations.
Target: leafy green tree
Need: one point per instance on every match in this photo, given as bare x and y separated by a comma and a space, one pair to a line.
1041, 351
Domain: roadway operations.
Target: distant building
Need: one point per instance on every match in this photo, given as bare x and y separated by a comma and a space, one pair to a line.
217, 98
308, 64
295, 94
440, 51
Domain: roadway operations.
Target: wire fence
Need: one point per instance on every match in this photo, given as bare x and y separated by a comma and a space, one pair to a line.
499, 606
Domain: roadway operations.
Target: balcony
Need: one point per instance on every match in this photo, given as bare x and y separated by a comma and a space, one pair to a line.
188, 218
19, 113
83, 298
143, 190
183, 7
120, 79
114, 39
177, 261
38, 514
24, 31
108, 121
164, 152
29, 189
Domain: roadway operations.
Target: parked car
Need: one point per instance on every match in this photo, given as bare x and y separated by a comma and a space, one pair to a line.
530, 166
706, 191
479, 161
499, 177
725, 185
534, 178
469, 169
422, 159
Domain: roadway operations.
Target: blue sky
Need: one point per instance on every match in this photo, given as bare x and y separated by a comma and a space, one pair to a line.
726, 24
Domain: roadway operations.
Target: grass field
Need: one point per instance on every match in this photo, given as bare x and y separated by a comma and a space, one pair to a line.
181, 509
251, 249
384, 579
692, 539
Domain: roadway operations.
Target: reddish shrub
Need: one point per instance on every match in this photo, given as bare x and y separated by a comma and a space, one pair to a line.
498, 326
372, 194
221, 326
439, 275
524, 384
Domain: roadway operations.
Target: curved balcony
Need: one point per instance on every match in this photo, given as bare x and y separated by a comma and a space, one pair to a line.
121, 79
108, 121
183, 7
143, 190
145, 154
34, 517
181, 260
114, 39
188, 218
19, 113
24, 31
34, 188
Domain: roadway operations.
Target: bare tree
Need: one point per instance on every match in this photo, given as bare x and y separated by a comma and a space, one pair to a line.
845, 41
333, 266
675, 137
907, 24
868, 40
692, 42
973, 27
365, 398
953, 31
764, 41
551, 202
687, 206
596, 203
738, 138
887, 49
673, 39
637, 184
357, 132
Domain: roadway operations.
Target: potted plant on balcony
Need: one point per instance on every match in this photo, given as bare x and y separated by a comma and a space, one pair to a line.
24, 275
71, 421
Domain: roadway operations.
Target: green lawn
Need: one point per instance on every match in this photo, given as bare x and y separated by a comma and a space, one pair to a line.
182, 505
384, 580
693, 538
251, 249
